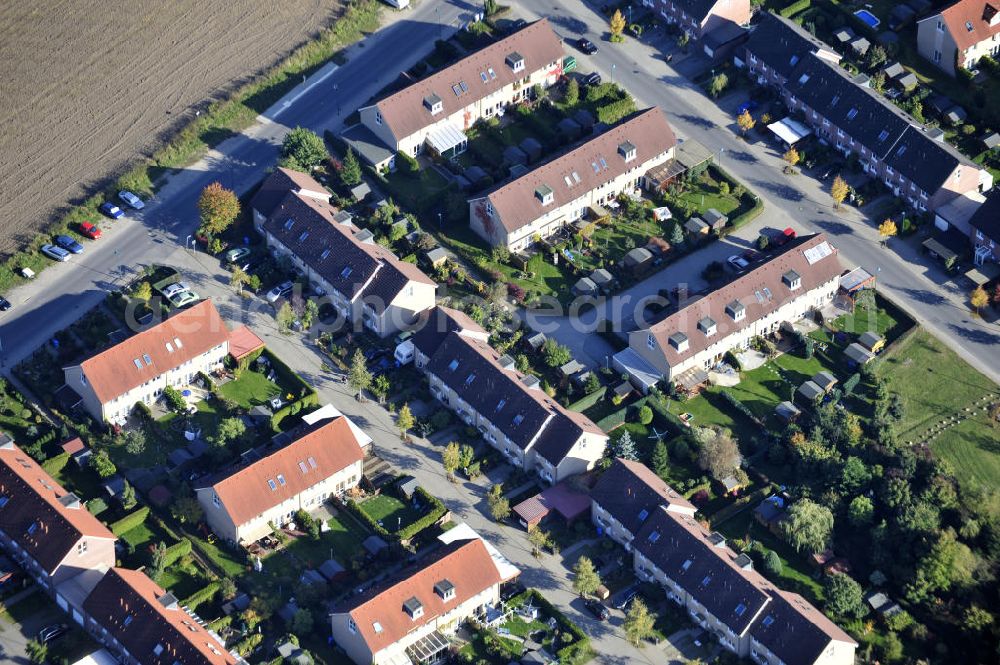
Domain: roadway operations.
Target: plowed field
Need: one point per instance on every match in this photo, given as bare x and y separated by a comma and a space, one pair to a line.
88, 85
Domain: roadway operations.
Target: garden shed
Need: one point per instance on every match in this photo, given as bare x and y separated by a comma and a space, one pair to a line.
715, 219
787, 411
584, 287
637, 258
872, 341
374, 545
567, 502
844, 36
571, 368
825, 380
858, 354
436, 257
697, 226
585, 119
601, 277
991, 140
860, 45
569, 128
956, 115
535, 340
408, 487
532, 148
810, 392
243, 343
476, 174
331, 569
907, 81
514, 155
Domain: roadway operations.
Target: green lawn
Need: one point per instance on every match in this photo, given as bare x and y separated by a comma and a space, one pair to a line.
417, 193
389, 511
796, 574
704, 194
251, 389
615, 239
935, 385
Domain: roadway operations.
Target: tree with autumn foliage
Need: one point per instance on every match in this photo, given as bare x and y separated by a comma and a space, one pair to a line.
979, 298
745, 121
886, 230
839, 191
219, 207
792, 157
617, 26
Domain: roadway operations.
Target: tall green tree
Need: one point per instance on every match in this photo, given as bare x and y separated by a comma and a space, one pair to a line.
450, 458
808, 526
638, 623
304, 148
229, 429
285, 317
358, 376
350, 171
157, 561
128, 496
660, 459
844, 596
586, 579
101, 463
625, 448
499, 504
572, 96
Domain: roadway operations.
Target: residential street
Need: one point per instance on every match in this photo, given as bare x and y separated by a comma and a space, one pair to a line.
909, 278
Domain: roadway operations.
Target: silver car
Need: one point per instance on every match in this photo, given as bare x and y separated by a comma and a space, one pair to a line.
172, 290
55, 253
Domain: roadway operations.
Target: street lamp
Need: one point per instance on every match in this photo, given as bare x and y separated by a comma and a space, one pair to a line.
630, 14
612, 72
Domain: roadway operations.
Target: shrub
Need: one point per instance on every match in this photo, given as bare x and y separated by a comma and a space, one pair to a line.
201, 596
176, 551
795, 8
435, 512
96, 506
175, 401
409, 164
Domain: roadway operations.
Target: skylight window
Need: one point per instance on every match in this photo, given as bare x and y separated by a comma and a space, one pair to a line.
455, 89
312, 461
32, 528
902, 149
128, 620
518, 419
484, 77
706, 580
643, 514
453, 365
177, 342
138, 363
968, 26
326, 253
836, 98
654, 536
576, 177
289, 223
596, 167
768, 620
305, 234
170, 347
464, 87
303, 468
501, 404
377, 627
345, 273
803, 79
493, 74
604, 164
469, 379
272, 484
740, 609
853, 113
147, 359
883, 135
281, 479
569, 183
4, 500
686, 565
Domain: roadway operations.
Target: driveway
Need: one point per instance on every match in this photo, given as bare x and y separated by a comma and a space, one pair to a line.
15, 636
800, 201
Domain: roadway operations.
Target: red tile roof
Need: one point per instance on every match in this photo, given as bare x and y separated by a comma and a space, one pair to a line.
114, 372
243, 342
405, 113
247, 492
149, 623
745, 290
974, 14
465, 564
33, 513
516, 204
74, 446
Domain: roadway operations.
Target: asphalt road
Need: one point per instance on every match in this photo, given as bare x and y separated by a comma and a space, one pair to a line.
909, 278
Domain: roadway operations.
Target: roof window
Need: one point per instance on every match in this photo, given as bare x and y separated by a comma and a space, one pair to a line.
272, 484
686, 565
289, 223
302, 467
493, 74
177, 343
654, 536
706, 580
312, 461
515, 61
853, 113
768, 620
305, 234
445, 589
433, 104
147, 359
518, 419
883, 135
281, 479
325, 253
346, 272
792, 280
377, 627
643, 514
170, 347
138, 363
627, 150
544, 194
453, 365
413, 607
740, 609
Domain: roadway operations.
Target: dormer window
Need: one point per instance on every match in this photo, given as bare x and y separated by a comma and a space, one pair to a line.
433, 104
413, 608
544, 194
515, 61
445, 589
707, 326
627, 150
736, 310
792, 280
679, 341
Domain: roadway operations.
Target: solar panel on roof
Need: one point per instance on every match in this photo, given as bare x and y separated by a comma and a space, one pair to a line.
455, 89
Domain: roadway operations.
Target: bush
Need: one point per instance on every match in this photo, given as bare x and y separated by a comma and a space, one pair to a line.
96, 506
198, 597
175, 401
795, 8
410, 165
179, 549
130, 521
615, 111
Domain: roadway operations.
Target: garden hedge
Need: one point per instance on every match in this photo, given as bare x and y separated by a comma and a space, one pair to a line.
130, 521
312, 399
588, 401
576, 652
795, 8
435, 513
176, 551
355, 509
203, 595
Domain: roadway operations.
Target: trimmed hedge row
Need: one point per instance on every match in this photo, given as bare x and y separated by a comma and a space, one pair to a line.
176, 551
355, 509
795, 8
588, 401
293, 408
286, 376
203, 595
435, 513
130, 521
576, 652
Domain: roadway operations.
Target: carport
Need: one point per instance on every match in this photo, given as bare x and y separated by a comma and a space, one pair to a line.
789, 131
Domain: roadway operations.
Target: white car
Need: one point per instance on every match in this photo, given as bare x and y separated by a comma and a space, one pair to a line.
182, 298
172, 290
278, 292
131, 199
738, 263
55, 253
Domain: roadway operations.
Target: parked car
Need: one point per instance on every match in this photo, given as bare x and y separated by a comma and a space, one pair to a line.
4, 304
280, 291
111, 210
182, 298
69, 244
55, 253
586, 46
593, 79
53, 632
599, 611
375, 352
738, 263
89, 230
174, 289
235, 254
131, 200
749, 105
785, 236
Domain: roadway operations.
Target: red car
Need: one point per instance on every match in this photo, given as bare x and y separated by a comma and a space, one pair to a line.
90, 231
786, 236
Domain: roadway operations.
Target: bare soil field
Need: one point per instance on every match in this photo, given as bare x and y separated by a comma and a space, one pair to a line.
86, 86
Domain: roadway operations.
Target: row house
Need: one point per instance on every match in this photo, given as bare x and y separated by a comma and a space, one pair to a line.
410, 618
322, 462
961, 34
698, 18
365, 283
435, 112
984, 230
170, 353
508, 408
559, 192
719, 589
141, 624
46, 529
846, 113
789, 286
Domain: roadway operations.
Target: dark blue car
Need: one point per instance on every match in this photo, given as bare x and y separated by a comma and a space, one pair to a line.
111, 210
749, 105
69, 244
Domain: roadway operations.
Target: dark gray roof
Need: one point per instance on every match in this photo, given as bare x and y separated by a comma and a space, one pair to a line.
696, 9
987, 218
796, 631
681, 549
874, 122
437, 324
781, 44
630, 492
557, 439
